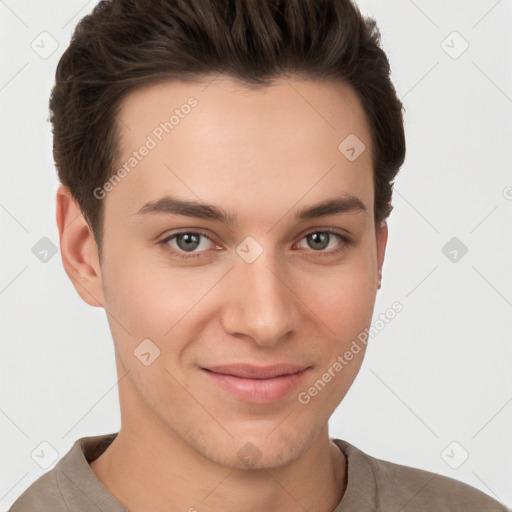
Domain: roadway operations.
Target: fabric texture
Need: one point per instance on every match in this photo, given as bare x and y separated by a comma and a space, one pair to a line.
373, 485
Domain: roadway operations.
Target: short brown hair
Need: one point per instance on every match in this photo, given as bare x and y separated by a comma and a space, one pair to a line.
126, 44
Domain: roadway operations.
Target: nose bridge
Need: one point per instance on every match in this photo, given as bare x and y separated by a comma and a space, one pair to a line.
262, 307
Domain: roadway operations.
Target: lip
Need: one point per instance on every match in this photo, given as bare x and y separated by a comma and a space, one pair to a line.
257, 384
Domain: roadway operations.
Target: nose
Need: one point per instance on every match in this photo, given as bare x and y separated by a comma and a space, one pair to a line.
261, 303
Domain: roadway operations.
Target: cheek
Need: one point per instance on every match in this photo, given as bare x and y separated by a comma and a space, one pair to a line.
344, 298
346, 308
147, 298
139, 299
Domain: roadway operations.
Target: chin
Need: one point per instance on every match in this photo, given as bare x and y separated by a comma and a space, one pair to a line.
259, 451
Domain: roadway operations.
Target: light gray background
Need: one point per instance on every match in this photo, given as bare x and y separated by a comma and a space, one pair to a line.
439, 373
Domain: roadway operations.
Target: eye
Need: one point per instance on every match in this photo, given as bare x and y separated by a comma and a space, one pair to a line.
186, 242
319, 240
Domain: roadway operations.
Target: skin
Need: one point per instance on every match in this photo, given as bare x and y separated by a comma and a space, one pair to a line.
261, 154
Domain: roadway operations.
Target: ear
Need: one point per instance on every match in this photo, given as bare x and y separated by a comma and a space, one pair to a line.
382, 240
78, 249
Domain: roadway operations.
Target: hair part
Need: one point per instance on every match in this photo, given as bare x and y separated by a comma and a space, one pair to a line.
124, 45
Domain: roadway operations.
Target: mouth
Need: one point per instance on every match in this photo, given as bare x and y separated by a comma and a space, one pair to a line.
257, 384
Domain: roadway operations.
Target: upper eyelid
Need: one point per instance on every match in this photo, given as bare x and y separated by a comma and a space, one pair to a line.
184, 232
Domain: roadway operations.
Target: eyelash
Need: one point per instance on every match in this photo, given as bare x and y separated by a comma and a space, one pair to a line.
345, 243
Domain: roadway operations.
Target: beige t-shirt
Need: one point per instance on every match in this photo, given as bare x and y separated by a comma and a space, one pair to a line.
373, 485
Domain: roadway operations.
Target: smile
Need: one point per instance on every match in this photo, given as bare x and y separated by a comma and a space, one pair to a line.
257, 384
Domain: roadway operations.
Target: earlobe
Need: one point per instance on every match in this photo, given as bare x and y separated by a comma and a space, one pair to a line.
78, 249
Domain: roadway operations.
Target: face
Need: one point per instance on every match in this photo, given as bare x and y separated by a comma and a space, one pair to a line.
210, 303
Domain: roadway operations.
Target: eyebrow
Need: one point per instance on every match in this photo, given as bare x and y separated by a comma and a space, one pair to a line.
173, 206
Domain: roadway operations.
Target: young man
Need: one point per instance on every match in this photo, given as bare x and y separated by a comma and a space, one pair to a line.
227, 169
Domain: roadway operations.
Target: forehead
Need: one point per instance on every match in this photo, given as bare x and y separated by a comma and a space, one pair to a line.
287, 107
264, 149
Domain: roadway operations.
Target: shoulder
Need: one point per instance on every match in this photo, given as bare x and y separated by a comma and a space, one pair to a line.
422, 489
71, 485
45, 490
413, 489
